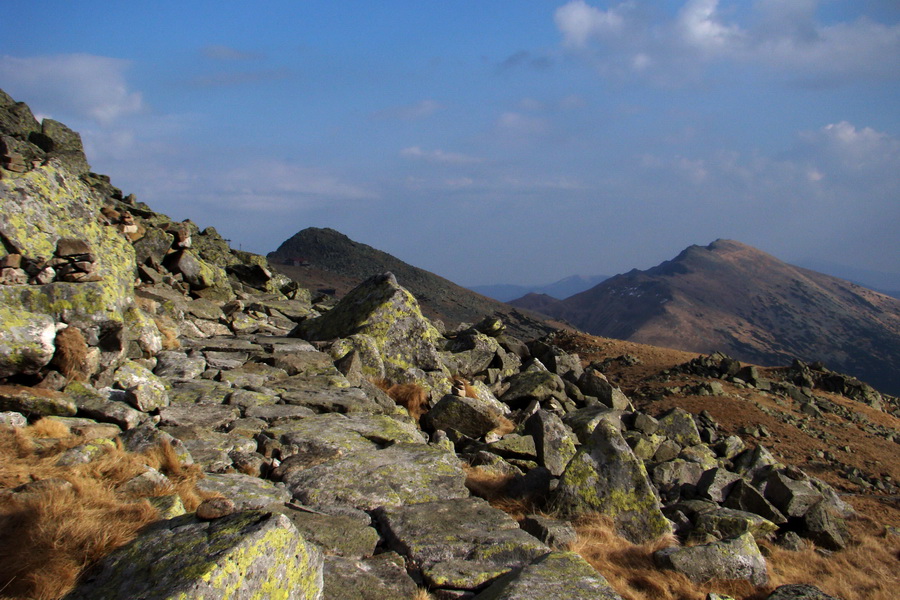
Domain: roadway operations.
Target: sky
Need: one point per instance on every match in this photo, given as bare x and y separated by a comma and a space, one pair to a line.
507, 141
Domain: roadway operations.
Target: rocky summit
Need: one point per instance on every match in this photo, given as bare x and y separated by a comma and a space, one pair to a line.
344, 445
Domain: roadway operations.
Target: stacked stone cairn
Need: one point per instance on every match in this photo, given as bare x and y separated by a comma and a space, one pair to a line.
328, 488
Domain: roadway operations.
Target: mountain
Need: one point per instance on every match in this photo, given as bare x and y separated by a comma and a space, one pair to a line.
734, 298
880, 281
325, 259
558, 289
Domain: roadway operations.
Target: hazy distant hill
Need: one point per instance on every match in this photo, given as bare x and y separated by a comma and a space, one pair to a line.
731, 297
559, 289
328, 259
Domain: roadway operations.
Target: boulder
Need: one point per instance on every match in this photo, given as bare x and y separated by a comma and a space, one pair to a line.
143, 390
381, 577
341, 533
678, 425
553, 532
35, 402
383, 310
245, 491
540, 385
594, 383
557, 575
469, 416
460, 543
553, 442
735, 558
368, 478
26, 341
606, 477
244, 555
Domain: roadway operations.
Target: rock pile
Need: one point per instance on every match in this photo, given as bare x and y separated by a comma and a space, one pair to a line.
332, 489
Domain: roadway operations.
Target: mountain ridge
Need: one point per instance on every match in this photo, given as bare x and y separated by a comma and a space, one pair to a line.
732, 297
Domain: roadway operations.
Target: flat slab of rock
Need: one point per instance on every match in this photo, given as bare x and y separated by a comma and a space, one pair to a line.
337, 534
35, 401
243, 555
382, 577
247, 492
344, 432
458, 544
558, 575
368, 477
208, 416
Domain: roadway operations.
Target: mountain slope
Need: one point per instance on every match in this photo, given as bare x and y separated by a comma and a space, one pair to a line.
325, 258
731, 297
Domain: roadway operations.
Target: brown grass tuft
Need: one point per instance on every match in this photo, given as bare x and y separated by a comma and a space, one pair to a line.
71, 354
169, 332
422, 594
410, 396
47, 428
48, 537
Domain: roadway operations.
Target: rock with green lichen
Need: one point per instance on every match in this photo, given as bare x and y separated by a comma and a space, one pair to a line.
244, 555
143, 390
339, 534
344, 434
368, 478
558, 575
49, 203
678, 425
734, 558
470, 416
35, 402
607, 478
381, 577
26, 341
459, 544
380, 308
538, 384
247, 492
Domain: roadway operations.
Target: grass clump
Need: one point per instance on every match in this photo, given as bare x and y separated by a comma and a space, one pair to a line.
56, 521
410, 396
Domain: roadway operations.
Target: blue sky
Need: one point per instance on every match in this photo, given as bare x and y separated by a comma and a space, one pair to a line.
489, 142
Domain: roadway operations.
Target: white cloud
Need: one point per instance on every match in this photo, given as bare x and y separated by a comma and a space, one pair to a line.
82, 85
519, 124
438, 156
579, 22
410, 112
782, 36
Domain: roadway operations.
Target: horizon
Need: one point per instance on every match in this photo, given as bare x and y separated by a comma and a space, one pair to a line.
492, 145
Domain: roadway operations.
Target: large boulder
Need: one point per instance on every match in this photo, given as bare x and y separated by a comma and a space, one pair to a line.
389, 314
50, 204
244, 555
558, 575
735, 558
606, 477
26, 341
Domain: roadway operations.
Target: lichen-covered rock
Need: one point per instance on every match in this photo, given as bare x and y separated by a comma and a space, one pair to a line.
594, 383
380, 308
469, 416
35, 401
244, 555
678, 425
554, 443
605, 476
553, 532
26, 341
382, 577
557, 575
728, 523
369, 478
344, 433
584, 420
735, 558
441, 537
247, 492
537, 384
337, 534
49, 203
144, 390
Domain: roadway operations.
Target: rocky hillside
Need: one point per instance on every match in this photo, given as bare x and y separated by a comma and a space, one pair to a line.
563, 288
124, 331
731, 297
327, 259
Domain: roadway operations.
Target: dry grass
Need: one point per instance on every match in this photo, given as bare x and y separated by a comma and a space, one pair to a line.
50, 536
422, 594
492, 486
169, 332
71, 354
867, 570
410, 396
